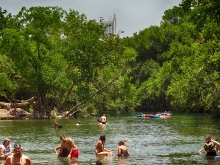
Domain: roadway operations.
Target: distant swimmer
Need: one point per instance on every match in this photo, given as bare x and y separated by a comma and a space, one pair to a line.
78, 123
103, 119
56, 125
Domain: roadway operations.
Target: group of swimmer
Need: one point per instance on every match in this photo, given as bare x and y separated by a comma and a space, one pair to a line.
101, 121
56, 125
165, 113
13, 156
69, 149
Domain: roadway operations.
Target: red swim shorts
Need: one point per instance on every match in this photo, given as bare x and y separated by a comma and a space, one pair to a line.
75, 154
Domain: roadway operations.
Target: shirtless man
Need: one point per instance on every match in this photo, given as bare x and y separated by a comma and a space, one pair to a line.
18, 157
103, 119
68, 148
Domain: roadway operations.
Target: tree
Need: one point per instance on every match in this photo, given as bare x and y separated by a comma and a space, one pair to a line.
59, 54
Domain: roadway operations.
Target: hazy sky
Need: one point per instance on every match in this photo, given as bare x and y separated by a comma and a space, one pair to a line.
132, 15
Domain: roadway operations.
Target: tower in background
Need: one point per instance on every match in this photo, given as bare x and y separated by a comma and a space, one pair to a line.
111, 26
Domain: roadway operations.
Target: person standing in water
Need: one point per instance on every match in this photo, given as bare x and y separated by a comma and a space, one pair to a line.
18, 158
68, 148
210, 146
103, 119
122, 149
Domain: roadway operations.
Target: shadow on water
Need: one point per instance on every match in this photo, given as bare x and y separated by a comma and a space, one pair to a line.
150, 141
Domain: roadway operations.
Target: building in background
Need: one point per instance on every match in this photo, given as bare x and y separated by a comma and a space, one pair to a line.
111, 26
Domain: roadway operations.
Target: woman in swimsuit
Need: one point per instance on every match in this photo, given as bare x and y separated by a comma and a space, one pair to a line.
6, 148
100, 149
122, 149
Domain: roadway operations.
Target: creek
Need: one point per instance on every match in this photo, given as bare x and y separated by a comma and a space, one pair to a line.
150, 141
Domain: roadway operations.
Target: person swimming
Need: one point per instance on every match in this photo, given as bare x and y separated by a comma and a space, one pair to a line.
122, 149
56, 125
78, 123
103, 119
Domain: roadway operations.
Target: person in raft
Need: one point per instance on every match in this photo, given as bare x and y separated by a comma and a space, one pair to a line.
210, 146
122, 149
68, 148
18, 158
100, 149
103, 119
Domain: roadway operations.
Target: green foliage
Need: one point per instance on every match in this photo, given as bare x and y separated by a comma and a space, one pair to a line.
186, 49
31, 109
8, 77
62, 58
53, 113
59, 57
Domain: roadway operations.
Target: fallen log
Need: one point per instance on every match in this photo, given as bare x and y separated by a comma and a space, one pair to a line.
17, 103
71, 111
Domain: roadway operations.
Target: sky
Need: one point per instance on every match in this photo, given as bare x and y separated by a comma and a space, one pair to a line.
132, 15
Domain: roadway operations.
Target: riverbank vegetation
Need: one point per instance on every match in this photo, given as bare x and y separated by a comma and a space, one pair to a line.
68, 63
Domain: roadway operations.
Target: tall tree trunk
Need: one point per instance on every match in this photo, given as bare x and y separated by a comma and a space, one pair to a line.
67, 95
71, 111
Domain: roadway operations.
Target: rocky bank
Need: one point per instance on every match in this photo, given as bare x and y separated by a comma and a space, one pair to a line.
20, 114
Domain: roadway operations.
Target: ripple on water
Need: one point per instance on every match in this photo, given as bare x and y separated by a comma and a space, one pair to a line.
150, 141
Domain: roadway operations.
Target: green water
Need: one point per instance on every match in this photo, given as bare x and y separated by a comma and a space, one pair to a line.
150, 141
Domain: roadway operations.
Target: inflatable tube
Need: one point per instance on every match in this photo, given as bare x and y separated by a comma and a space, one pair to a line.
163, 116
144, 115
